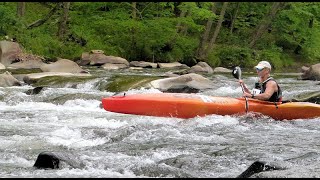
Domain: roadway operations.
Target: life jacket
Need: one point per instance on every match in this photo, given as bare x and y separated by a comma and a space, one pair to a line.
276, 96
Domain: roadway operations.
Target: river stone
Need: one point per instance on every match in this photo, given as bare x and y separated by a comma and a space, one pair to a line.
62, 65
9, 52
311, 73
7, 80
100, 59
34, 91
222, 70
57, 160
185, 83
201, 67
143, 64
172, 65
33, 77
121, 83
257, 167
33, 64
313, 97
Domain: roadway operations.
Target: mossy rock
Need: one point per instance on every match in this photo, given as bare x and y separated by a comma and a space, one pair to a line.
125, 82
61, 81
63, 98
21, 71
313, 97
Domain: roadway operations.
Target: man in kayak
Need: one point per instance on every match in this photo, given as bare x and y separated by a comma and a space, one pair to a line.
267, 89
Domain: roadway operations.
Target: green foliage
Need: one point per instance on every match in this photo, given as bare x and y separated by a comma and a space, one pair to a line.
276, 57
8, 19
298, 30
229, 56
154, 35
311, 47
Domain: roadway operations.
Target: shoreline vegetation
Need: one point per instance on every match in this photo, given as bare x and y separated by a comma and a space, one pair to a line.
219, 33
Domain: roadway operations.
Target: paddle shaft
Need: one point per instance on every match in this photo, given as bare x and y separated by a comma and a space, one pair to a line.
247, 105
237, 74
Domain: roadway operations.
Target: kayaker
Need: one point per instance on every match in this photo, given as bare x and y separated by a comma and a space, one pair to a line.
267, 88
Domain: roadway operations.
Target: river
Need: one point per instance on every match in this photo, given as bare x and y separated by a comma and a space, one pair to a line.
70, 119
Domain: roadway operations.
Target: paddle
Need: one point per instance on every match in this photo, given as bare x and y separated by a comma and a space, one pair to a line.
236, 72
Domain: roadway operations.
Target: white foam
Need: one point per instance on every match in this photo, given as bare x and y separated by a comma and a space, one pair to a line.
15, 161
99, 122
73, 138
80, 104
214, 119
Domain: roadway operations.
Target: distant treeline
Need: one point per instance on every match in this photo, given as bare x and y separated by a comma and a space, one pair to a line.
219, 33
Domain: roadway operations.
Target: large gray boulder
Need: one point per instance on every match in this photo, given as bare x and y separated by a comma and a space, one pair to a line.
201, 67
9, 52
33, 77
174, 65
7, 80
143, 64
189, 83
100, 59
27, 61
311, 73
63, 65
97, 58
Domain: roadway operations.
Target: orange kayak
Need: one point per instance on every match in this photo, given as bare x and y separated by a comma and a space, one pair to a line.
183, 105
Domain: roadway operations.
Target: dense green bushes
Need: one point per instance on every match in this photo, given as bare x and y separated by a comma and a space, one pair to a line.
159, 34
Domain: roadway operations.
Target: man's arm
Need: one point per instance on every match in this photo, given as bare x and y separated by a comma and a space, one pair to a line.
271, 87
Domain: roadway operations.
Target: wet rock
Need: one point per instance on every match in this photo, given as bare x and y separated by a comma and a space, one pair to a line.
257, 167
63, 65
175, 65
201, 67
311, 73
313, 97
7, 80
33, 91
190, 83
222, 70
47, 160
57, 160
143, 64
55, 77
122, 83
98, 59
9, 52
33, 64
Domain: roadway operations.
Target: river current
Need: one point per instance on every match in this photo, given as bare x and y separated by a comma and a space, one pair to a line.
70, 120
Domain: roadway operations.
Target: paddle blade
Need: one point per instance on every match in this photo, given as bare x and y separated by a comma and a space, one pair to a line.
236, 72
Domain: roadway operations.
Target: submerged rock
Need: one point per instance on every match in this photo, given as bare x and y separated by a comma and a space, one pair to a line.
56, 160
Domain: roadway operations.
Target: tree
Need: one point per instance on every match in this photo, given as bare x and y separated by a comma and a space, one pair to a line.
234, 17
41, 21
62, 29
133, 29
21, 6
217, 30
265, 22
205, 36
